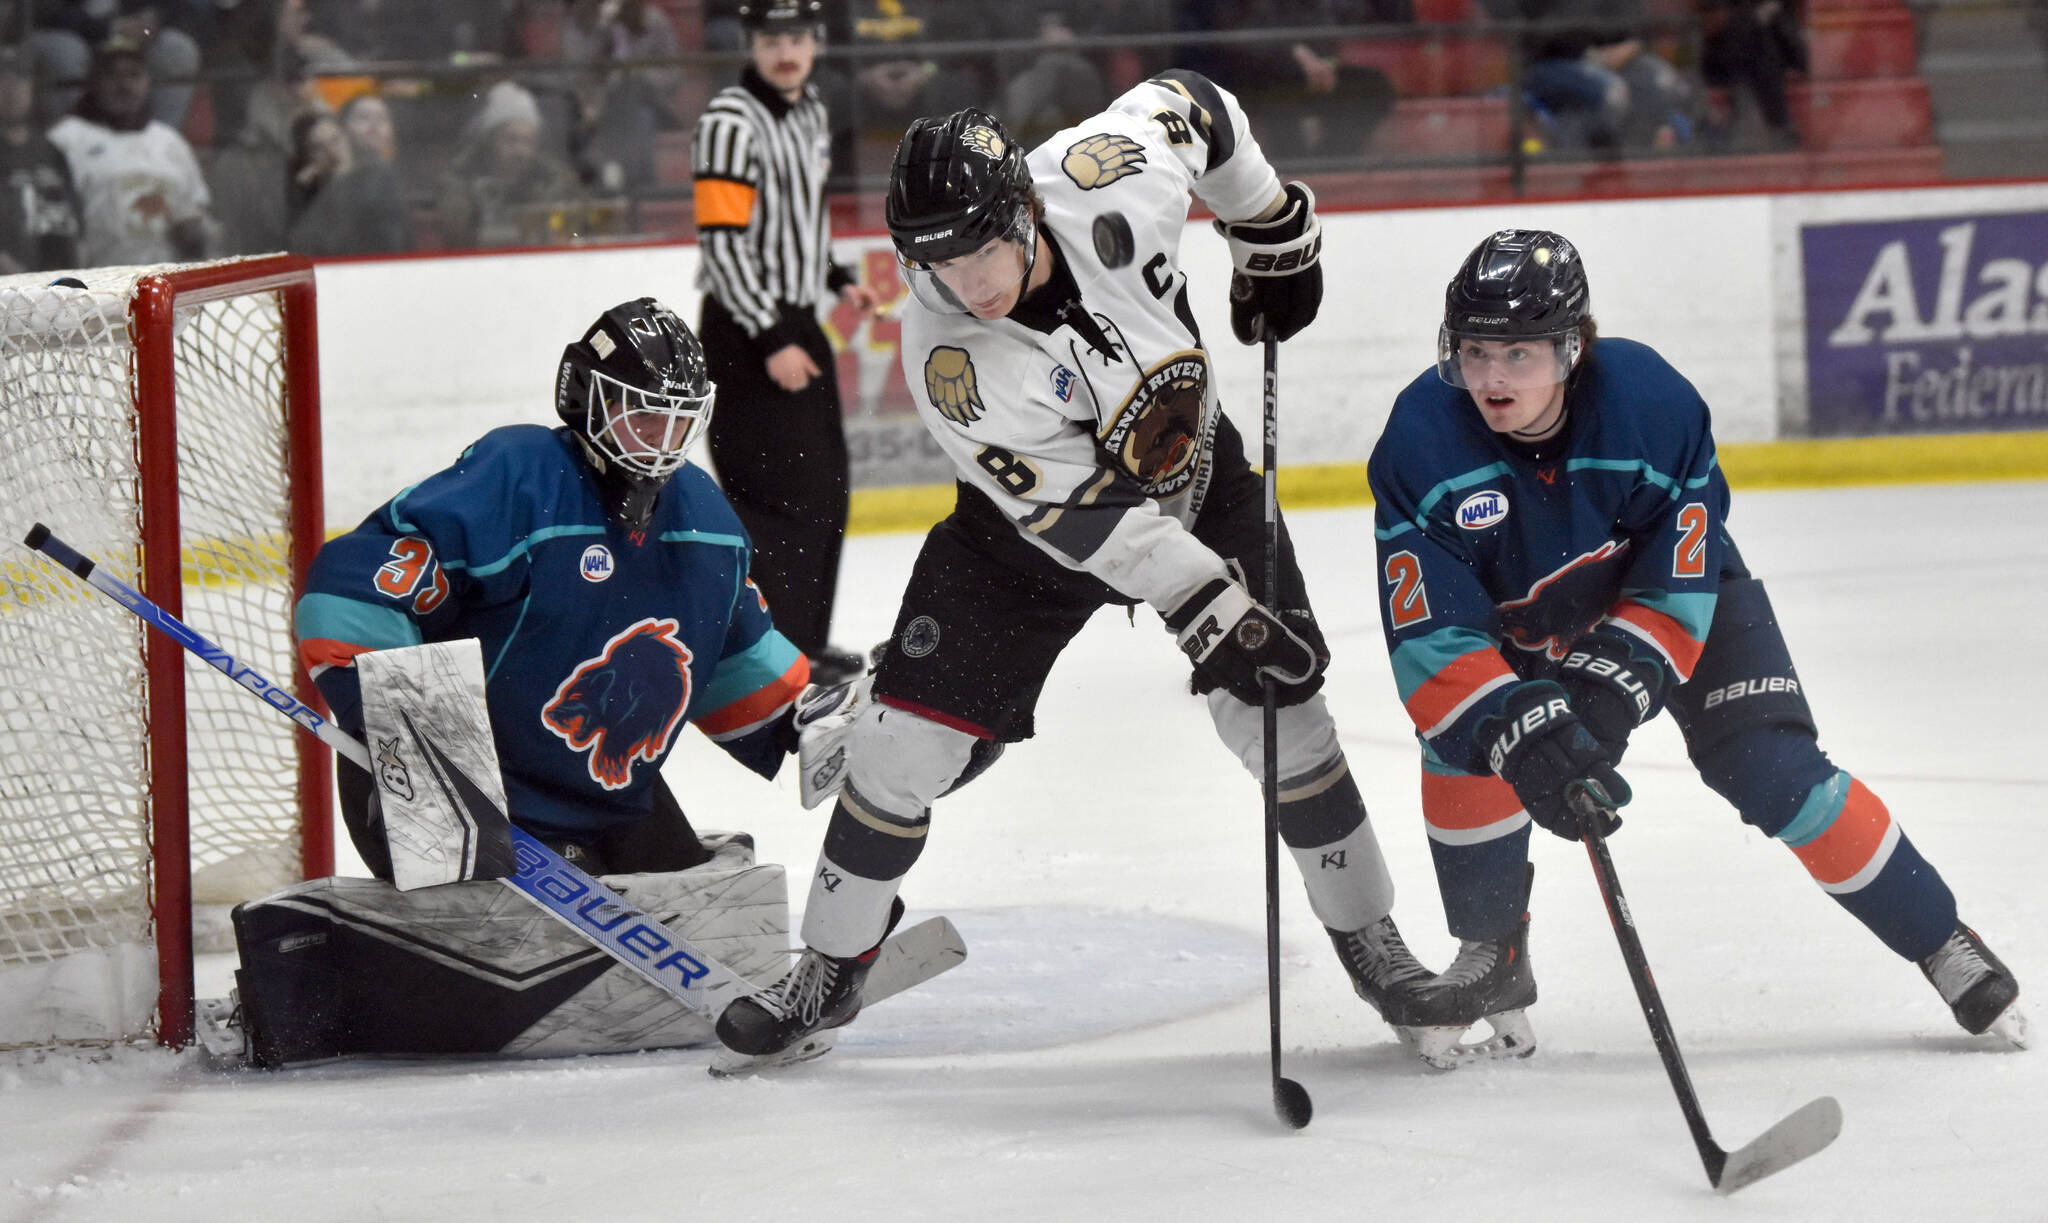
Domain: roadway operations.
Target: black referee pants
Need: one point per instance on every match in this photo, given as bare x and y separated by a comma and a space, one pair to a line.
781, 460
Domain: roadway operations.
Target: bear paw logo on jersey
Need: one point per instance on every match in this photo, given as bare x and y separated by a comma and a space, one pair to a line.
949, 384
1155, 434
626, 704
1101, 159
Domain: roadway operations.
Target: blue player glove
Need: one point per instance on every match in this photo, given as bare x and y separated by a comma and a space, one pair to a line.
1541, 748
1278, 285
1613, 687
1233, 642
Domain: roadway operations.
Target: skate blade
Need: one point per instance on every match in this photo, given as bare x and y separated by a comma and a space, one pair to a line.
219, 1032
726, 1064
2011, 1025
1446, 1049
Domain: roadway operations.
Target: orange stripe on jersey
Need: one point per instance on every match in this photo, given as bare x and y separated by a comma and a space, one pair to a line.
1453, 685
720, 201
1683, 648
1851, 841
327, 652
1462, 802
759, 703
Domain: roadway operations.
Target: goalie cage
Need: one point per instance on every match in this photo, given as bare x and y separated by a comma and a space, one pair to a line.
165, 421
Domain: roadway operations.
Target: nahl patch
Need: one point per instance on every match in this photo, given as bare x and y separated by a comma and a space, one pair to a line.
1156, 433
1749, 687
1482, 510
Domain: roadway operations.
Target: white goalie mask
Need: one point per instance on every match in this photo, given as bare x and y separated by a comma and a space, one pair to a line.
646, 432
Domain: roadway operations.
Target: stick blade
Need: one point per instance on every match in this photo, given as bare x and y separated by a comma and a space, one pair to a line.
1802, 1134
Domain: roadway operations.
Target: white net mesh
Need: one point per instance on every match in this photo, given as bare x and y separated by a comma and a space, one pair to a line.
75, 805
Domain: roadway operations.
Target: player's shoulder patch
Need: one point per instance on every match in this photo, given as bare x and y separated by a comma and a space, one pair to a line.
1101, 159
950, 384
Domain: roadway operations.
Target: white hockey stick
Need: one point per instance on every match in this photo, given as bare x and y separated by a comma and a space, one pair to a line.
585, 905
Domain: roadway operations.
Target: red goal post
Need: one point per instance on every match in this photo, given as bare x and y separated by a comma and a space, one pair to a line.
166, 422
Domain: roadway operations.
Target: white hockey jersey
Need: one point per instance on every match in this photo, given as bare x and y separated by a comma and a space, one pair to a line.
1102, 458
133, 187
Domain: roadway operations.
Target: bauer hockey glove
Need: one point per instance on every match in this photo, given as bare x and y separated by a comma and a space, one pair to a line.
1279, 277
1233, 642
1541, 748
1613, 687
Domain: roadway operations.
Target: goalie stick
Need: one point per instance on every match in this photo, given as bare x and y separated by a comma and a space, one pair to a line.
1804, 1132
542, 876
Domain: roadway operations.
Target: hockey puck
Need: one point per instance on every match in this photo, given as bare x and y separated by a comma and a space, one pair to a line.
1114, 244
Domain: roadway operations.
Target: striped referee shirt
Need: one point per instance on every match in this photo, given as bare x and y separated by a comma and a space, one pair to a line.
759, 162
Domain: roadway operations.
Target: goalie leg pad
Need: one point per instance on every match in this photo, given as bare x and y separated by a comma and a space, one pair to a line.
342, 967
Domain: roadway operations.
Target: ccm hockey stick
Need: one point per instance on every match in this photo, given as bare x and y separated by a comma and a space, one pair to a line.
1805, 1131
585, 905
1290, 1099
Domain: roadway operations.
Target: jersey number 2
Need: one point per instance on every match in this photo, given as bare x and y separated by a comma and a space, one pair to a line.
1689, 557
1408, 604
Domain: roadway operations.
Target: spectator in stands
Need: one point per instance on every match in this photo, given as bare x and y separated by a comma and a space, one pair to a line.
1594, 84
144, 199
501, 189
39, 219
251, 172
1749, 49
1302, 103
167, 31
371, 131
620, 108
888, 93
1057, 85
343, 202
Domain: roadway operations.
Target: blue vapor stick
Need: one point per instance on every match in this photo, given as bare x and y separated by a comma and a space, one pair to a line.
595, 912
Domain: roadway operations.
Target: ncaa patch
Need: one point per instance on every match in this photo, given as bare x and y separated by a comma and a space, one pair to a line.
597, 563
920, 636
1482, 510
1063, 383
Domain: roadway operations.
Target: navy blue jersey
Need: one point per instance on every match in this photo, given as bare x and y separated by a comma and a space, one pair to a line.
598, 643
1494, 556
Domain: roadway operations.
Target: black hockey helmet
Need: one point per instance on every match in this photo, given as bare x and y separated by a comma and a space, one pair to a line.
957, 182
638, 394
773, 16
1517, 284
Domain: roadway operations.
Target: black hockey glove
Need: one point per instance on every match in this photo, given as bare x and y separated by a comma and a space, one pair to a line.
1233, 642
1279, 279
1613, 686
1541, 748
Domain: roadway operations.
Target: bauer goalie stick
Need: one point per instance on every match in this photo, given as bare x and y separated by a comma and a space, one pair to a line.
1290, 1099
1805, 1131
595, 912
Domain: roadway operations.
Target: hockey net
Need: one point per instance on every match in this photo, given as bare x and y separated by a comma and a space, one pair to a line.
164, 422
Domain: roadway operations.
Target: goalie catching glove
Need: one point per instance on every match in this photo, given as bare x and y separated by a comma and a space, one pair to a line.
1538, 745
1278, 285
1234, 641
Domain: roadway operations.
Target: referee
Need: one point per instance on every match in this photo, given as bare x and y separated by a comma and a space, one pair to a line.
760, 156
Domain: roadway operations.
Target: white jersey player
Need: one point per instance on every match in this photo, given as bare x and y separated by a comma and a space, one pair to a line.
1057, 361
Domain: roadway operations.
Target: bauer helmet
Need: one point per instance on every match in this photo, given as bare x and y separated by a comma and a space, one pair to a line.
637, 393
1518, 284
774, 16
958, 183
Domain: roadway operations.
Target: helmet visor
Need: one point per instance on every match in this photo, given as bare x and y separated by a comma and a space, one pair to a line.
980, 282
1505, 363
644, 431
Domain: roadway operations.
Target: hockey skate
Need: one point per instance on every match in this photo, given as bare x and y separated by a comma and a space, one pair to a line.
1489, 980
819, 993
1980, 990
1389, 977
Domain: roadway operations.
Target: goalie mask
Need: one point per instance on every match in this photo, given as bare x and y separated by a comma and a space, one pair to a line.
1513, 311
636, 391
959, 198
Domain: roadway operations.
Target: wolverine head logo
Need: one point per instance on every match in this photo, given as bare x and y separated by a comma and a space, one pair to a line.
1101, 159
949, 384
983, 141
626, 704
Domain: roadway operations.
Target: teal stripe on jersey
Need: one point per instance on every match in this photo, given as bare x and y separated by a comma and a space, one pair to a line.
1668, 483
1694, 612
744, 674
520, 549
703, 537
1417, 661
1818, 813
364, 624
1455, 484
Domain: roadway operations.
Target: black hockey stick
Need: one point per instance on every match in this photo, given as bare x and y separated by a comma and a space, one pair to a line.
1290, 1099
1799, 1135
586, 905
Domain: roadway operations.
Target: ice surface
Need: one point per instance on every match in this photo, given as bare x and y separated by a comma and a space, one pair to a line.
1102, 1052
